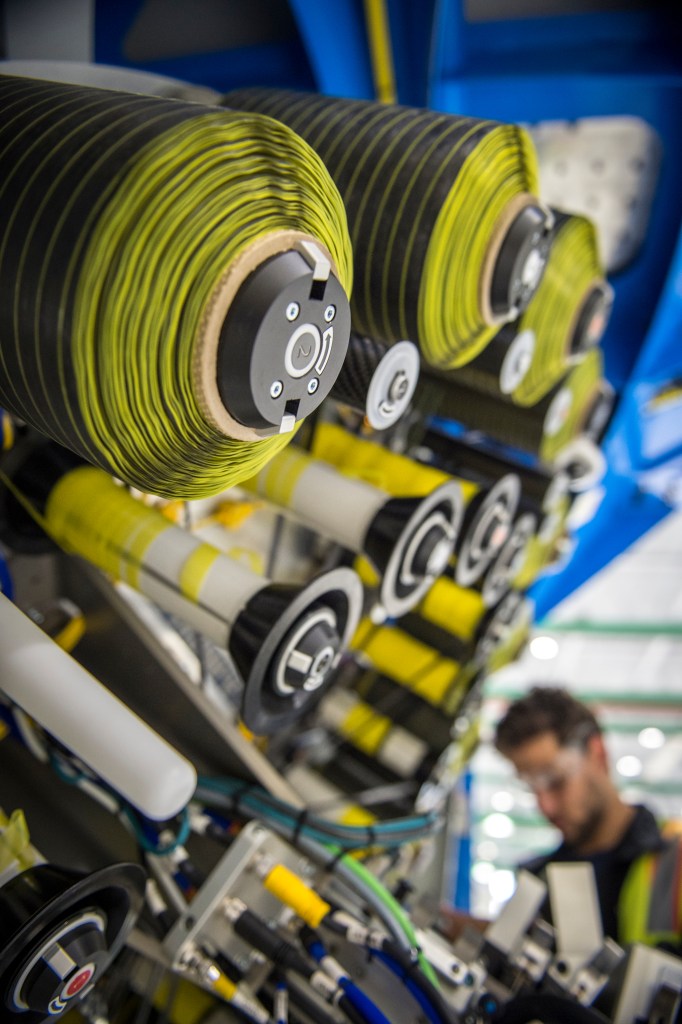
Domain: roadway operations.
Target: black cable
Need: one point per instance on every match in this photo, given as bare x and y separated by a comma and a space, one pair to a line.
353, 1014
261, 936
412, 971
300, 998
547, 1009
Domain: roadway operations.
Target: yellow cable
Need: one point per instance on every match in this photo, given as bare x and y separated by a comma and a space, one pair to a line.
71, 634
224, 988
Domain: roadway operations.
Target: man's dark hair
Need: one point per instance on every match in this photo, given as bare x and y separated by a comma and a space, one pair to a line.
545, 709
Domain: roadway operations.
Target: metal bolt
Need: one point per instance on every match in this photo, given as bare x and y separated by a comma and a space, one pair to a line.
293, 309
276, 389
330, 313
313, 385
398, 386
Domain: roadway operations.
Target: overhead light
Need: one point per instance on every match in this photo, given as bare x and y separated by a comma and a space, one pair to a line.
498, 826
651, 738
502, 885
544, 648
482, 872
502, 800
487, 850
629, 766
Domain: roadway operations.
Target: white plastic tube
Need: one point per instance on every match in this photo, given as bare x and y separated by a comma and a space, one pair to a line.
88, 719
336, 506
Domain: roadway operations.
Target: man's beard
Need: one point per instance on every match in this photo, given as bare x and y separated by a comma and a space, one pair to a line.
586, 831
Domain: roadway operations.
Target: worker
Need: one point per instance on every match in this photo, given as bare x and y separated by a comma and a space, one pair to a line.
556, 746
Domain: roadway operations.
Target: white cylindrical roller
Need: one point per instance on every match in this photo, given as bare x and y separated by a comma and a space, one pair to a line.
393, 385
517, 361
89, 720
558, 412
333, 504
360, 725
584, 462
222, 588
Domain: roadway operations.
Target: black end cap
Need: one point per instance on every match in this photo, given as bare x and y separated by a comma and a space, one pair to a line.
521, 262
593, 319
282, 343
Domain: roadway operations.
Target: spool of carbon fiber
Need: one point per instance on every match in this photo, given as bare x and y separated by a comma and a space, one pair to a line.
174, 282
488, 511
499, 369
570, 310
499, 577
541, 489
583, 462
454, 609
425, 669
408, 540
542, 429
354, 772
378, 380
600, 414
438, 628
422, 658
541, 548
503, 631
449, 238
285, 640
375, 735
404, 708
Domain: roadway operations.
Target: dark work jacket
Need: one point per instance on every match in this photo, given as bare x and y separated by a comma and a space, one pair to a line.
611, 868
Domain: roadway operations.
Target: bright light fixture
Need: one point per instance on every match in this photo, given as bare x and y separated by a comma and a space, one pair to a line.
482, 872
487, 850
502, 800
629, 766
498, 826
544, 648
651, 738
502, 885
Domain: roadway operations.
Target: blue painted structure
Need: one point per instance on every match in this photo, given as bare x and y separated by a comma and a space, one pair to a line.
5, 579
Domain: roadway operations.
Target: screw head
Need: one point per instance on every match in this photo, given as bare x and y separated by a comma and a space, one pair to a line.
398, 386
313, 385
276, 389
330, 313
293, 309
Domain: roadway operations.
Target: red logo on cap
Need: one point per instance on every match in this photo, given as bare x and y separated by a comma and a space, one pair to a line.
78, 983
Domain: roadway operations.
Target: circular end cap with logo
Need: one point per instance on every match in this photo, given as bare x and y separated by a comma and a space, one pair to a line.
283, 341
